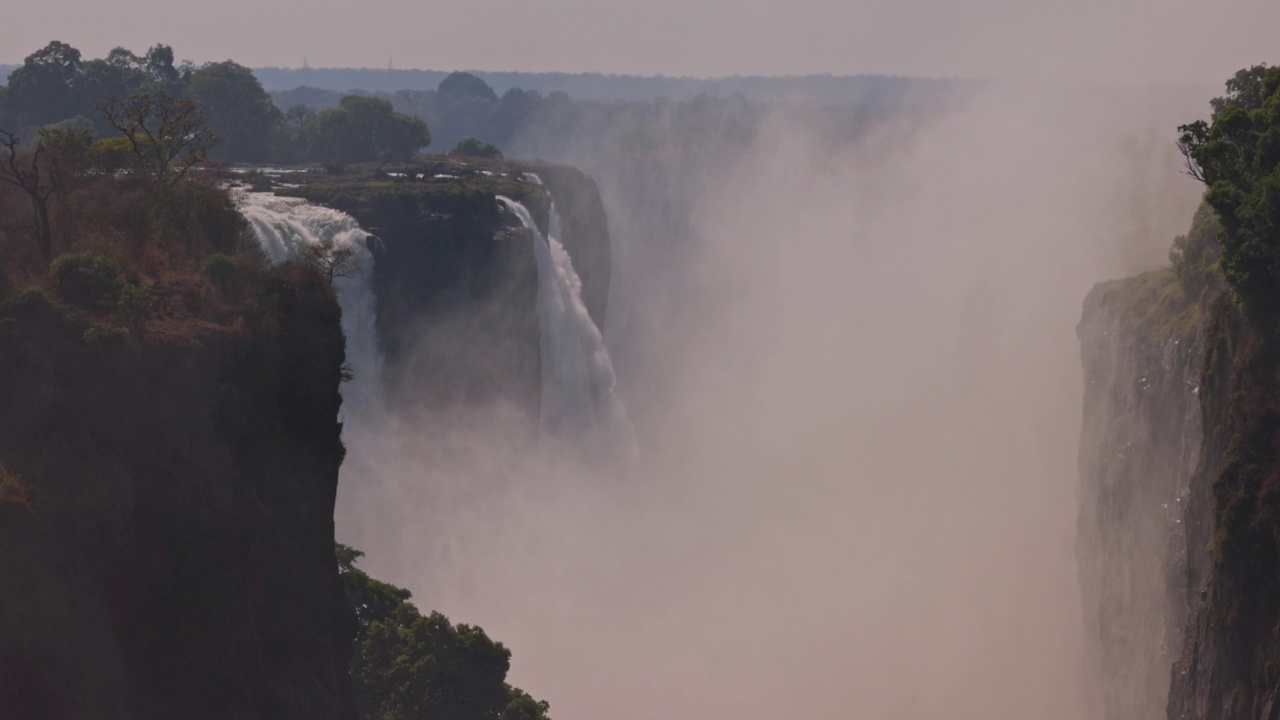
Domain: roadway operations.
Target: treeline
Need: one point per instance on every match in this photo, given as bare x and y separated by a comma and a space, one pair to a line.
56, 88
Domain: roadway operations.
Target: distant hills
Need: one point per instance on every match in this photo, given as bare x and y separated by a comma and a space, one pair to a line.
874, 89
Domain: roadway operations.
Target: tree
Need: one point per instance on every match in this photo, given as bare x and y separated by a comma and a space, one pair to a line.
45, 89
410, 665
332, 259
464, 84
1237, 155
363, 129
37, 176
471, 147
167, 135
237, 108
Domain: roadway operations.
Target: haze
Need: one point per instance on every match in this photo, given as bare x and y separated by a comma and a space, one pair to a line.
1080, 40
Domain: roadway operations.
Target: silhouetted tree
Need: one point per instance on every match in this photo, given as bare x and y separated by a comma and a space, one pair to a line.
45, 89
36, 175
166, 134
332, 259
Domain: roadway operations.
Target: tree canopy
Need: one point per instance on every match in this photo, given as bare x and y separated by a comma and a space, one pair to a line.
237, 107
410, 665
1236, 153
365, 129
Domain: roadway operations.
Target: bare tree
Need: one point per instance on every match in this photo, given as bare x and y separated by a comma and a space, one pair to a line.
37, 181
334, 260
167, 134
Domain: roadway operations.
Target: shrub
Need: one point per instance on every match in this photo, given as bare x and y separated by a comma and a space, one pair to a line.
100, 333
1197, 253
87, 280
471, 147
223, 273
134, 303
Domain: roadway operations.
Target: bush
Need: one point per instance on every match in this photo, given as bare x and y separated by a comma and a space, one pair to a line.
1197, 253
223, 273
103, 333
472, 147
134, 303
87, 280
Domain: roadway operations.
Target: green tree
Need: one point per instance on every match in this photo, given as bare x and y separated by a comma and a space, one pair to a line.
236, 107
408, 665
1237, 155
363, 129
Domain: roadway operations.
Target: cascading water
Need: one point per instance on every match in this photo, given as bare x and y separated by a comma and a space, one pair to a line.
285, 228
579, 392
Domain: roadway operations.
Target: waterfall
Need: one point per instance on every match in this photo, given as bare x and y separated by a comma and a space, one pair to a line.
284, 227
579, 394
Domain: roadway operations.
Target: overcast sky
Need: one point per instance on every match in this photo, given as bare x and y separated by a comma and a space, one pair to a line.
1127, 40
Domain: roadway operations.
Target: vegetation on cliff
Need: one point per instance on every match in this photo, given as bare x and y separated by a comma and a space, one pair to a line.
409, 665
1230, 666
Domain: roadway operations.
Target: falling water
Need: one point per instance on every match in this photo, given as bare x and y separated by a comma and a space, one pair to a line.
579, 392
284, 227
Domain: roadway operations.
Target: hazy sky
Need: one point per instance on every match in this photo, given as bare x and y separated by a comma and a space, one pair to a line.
1167, 40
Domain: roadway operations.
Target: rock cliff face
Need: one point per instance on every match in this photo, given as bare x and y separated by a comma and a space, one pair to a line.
1179, 542
455, 278
1141, 350
166, 508
1229, 668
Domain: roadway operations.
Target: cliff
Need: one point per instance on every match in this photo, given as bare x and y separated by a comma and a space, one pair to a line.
1141, 351
1229, 668
166, 504
454, 276
1179, 538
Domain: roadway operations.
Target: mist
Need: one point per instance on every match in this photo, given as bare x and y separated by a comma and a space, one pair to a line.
856, 388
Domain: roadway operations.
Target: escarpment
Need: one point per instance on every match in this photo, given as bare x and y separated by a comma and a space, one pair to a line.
166, 504
1179, 537
1140, 443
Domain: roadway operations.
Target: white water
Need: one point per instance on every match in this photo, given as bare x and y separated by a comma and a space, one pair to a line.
284, 227
579, 393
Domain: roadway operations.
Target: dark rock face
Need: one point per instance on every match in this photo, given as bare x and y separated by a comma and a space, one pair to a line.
456, 280
175, 558
1140, 444
1229, 668
585, 229
1179, 539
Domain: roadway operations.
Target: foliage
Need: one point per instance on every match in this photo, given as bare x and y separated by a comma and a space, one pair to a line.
87, 280
1237, 155
365, 129
223, 272
471, 147
102, 333
46, 88
236, 108
134, 302
409, 665
111, 155
464, 84
167, 135
1195, 255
